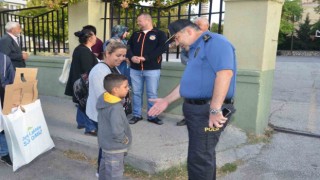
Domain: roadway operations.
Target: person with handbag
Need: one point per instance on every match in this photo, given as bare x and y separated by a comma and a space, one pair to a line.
7, 74
83, 60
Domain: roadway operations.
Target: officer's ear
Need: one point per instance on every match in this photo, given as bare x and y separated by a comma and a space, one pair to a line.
189, 31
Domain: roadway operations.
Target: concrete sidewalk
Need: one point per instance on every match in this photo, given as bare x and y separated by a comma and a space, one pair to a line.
295, 105
154, 147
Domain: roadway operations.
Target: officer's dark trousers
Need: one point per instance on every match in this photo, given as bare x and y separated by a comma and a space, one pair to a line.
202, 142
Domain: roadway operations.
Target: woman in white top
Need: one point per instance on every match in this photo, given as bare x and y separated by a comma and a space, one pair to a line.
114, 54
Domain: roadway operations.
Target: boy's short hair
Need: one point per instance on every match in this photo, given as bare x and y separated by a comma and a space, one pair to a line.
113, 80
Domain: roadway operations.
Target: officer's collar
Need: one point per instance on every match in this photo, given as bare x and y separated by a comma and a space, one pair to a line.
196, 43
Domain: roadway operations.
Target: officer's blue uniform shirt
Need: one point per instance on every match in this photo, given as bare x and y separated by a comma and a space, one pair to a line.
206, 58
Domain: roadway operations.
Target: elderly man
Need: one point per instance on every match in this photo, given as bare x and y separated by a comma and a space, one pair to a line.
145, 53
203, 24
207, 86
10, 46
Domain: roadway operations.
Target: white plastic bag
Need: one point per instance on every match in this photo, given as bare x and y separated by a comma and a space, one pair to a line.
27, 134
65, 71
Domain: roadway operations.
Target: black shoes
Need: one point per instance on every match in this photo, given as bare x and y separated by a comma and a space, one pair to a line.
135, 119
6, 159
156, 121
182, 122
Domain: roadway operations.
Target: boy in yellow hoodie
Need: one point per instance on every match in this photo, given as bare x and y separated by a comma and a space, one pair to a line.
114, 135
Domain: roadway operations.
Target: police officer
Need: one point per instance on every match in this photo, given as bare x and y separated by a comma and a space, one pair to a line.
207, 86
203, 24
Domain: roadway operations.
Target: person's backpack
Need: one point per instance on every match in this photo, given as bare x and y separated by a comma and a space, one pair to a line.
127, 104
81, 90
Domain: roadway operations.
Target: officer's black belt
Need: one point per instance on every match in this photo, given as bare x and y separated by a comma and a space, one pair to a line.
204, 101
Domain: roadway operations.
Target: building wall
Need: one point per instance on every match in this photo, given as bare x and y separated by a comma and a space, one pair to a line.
14, 4
308, 8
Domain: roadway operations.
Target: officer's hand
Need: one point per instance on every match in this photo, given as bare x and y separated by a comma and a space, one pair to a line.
217, 120
158, 107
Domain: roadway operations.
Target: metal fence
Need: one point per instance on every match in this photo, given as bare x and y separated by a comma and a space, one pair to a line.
163, 16
44, 32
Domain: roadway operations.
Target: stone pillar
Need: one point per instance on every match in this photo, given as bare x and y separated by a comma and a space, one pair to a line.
90, 12
252, 26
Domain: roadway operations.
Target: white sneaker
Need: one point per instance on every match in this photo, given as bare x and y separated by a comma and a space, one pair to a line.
97, 175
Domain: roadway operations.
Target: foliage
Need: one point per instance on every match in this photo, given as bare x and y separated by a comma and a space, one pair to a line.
229, 167
215, 28
305, 37
305, 33
54, 4
127, 16
46, 27
2, 4
177, 173
291, 13
315, 27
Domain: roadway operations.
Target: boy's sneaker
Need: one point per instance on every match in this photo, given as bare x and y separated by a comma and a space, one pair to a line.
6, 159
97, 175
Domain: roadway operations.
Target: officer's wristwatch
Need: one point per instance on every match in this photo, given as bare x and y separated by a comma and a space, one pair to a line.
215, 111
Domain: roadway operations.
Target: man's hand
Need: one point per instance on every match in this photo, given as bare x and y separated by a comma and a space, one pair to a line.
217, 120
160, 104
25, 55
137, 59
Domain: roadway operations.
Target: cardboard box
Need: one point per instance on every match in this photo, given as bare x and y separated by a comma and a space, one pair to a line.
23, 90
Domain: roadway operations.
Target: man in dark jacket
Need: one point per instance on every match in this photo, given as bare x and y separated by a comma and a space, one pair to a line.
145, 53
9, 45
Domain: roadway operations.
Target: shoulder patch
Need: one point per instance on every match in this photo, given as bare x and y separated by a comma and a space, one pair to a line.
206, 37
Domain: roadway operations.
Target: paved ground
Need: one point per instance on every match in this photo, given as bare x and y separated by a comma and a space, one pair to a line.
296, 94
295, 105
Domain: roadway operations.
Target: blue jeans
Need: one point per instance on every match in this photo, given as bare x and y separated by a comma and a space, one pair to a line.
138, 78
84, 121
3, 145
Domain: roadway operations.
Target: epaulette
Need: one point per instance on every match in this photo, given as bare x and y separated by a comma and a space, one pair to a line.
206, 37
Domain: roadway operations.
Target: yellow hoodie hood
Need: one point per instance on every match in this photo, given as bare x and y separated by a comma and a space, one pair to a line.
109, 98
